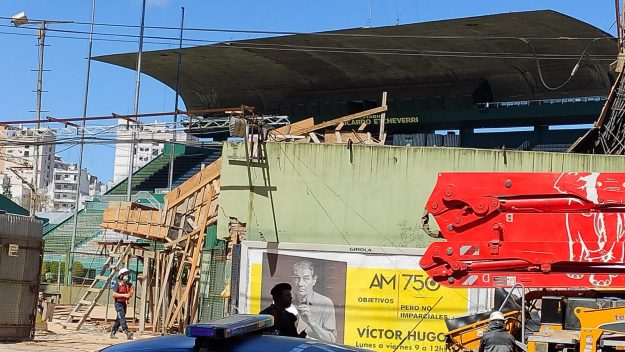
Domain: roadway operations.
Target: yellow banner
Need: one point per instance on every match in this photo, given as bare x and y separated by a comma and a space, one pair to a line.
384, 307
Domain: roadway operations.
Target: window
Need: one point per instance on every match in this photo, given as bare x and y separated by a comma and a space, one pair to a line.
26, 153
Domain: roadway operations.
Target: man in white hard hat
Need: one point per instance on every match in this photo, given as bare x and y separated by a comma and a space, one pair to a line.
496, 338
122, 291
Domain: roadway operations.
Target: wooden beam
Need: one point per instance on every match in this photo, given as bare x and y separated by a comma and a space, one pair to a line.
147, 263
282, 133
343, 119
382, 118
164, 283
338, 137
314, 138
195, 300
197, 250
175, 293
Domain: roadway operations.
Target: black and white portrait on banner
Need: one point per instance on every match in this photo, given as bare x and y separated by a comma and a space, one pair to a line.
318, 292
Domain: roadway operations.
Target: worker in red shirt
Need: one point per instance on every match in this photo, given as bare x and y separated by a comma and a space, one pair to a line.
122, 291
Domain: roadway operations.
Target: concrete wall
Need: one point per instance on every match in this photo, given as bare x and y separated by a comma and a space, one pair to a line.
315, 193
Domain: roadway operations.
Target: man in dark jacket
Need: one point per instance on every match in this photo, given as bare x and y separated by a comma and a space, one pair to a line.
284, 322
496, 338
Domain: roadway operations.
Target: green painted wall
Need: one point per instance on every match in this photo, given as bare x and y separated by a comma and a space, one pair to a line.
366, 196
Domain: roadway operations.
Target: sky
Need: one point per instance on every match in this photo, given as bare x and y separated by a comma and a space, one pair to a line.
112, 88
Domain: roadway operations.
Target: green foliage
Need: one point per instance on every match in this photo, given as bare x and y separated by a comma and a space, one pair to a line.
49, 271
6, 188
78, 270
45, 268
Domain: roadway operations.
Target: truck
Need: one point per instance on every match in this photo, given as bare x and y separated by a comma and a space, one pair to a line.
557, 238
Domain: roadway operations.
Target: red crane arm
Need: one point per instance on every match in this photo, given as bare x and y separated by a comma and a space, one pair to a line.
538, 229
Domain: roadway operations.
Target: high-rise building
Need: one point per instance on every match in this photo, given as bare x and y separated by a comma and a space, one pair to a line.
150, 139
63, 190
17, 163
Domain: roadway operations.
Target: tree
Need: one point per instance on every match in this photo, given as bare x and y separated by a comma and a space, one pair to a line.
53, 270
78, 270
45, 268
6, 187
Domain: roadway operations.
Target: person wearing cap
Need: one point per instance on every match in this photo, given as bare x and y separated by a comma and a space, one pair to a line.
496, 338
122, 291
284, 322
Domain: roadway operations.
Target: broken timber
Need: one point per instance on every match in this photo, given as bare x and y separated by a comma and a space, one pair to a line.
171, 276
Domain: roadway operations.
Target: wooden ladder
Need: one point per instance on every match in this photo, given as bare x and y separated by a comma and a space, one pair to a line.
85, 305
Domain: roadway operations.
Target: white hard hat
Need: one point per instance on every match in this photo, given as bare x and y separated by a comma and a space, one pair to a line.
496, 315
123, 271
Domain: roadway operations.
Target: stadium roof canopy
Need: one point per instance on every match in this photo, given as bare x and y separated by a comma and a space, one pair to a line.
413, 59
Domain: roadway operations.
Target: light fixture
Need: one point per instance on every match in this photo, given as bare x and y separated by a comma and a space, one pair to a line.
237, 126
19, 19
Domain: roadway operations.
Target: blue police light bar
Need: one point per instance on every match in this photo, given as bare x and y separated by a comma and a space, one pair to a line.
227, 327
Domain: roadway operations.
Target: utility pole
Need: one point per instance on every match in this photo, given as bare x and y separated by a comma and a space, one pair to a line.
131, 164
18, 20
81, 151
170, 180
370, 19
41, 36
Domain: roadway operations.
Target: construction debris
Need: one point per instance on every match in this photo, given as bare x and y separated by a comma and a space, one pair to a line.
169, 291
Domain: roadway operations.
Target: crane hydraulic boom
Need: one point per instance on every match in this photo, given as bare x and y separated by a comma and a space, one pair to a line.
538, 229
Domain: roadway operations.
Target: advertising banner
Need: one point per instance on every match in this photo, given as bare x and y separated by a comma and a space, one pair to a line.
371, 297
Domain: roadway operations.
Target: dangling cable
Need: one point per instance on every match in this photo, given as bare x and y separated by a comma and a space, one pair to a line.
573, 71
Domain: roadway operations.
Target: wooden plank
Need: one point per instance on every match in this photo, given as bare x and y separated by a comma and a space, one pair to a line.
176, 291
343, 119
178, 240
155, 318
195, 301
337, 134
314, 138
382, 119
282, 133
147, 263
151, 298
355, 137
164, 285
192, 279
196, 182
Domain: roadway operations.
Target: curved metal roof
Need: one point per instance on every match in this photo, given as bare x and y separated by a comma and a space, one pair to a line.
405, 60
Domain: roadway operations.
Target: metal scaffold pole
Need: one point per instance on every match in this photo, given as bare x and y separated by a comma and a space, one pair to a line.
170, 179
81, 149
131, 155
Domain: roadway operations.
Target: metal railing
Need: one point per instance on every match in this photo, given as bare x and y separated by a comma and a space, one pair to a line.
524, 146
141, 195
523, 103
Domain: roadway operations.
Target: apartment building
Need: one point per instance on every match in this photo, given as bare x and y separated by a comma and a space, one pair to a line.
17, 161
150, 143
64, 189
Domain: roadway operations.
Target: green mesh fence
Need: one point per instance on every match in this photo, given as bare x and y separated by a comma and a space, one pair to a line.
212, 282
58, 240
